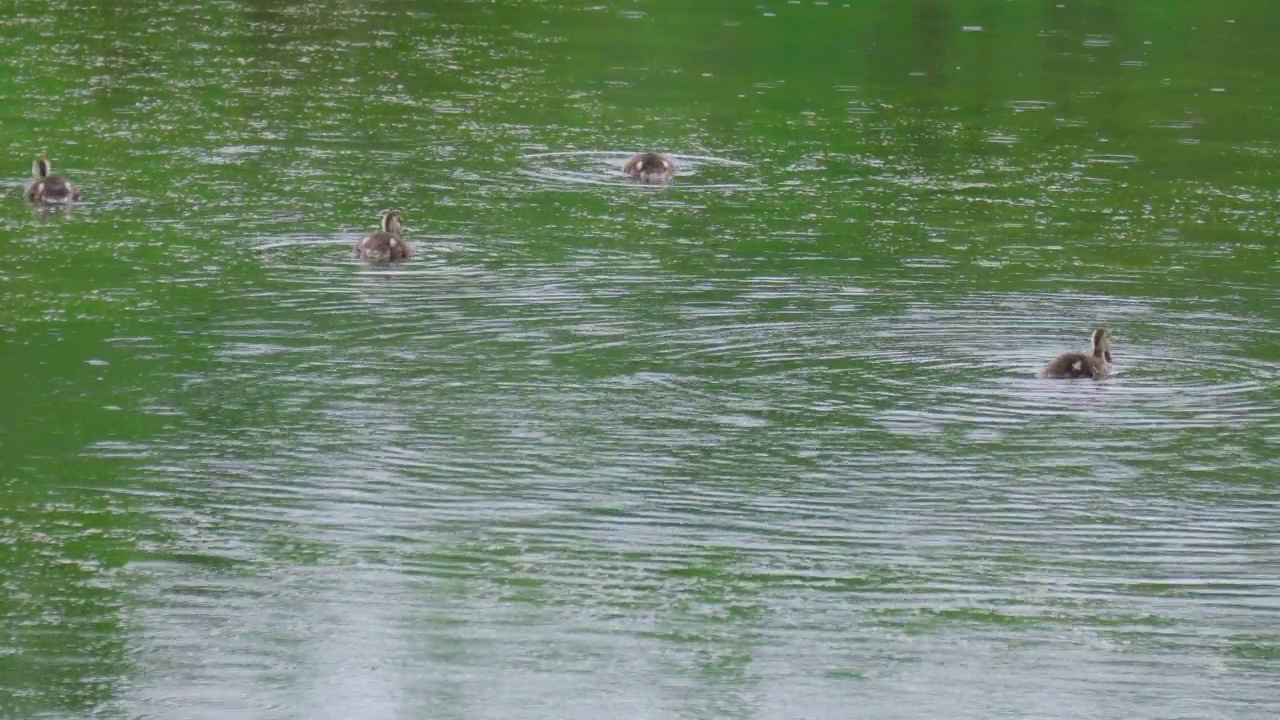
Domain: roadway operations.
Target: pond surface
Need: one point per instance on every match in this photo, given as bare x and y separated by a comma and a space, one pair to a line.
763, 444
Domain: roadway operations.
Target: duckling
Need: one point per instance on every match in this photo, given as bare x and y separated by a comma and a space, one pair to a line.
388, 244
1080, 365
49, 189
650, 167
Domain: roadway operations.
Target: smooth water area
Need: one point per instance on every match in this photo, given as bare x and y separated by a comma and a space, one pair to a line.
763, 444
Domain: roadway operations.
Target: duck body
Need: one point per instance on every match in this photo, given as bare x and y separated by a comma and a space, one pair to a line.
1074, 365
49, 189
650, 167
387, 244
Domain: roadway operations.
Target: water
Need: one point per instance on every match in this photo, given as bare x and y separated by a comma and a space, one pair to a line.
762, 444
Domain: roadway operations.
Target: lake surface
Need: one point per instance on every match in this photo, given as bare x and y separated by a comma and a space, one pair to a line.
764, 444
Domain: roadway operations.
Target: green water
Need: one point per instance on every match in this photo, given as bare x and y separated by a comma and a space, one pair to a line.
763, 444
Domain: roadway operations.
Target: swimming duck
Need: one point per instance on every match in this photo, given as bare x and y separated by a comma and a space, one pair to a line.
1080, 365
49, 189
386, 245
650, 167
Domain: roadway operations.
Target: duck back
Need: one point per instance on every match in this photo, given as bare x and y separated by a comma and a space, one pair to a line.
52, 189
383, 247
1075, 365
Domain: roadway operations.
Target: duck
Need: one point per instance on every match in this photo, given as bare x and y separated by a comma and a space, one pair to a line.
387, 244
46, 189
650, 167
1081, 365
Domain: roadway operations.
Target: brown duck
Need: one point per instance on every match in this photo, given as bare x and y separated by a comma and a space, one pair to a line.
1081, 365
650, 167
387, 244
46, 189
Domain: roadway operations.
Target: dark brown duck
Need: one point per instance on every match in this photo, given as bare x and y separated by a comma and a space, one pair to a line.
1082, 365
650, 167
48, 189
387, 244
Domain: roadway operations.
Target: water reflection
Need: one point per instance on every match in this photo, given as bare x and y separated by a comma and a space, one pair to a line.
558, 469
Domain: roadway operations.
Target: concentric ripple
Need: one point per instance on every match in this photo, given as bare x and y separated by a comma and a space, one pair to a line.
587, 167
